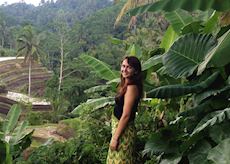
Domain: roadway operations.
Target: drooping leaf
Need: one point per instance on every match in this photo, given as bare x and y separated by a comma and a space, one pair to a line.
94, 104
97, 89
213, 92
178, 19
100, 68
169, 37
186, 54
171, 5
220, 153
171, 91
152, 62
205, 107
212, 119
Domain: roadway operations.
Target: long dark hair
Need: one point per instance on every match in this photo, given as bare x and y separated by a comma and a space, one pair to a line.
136, 79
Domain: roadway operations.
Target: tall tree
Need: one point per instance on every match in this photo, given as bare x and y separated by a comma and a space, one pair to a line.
62, 29
28, 46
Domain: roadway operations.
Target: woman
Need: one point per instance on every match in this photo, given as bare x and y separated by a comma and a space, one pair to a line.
123, 130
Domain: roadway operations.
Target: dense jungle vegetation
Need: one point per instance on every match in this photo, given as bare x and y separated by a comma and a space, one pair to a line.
184, 49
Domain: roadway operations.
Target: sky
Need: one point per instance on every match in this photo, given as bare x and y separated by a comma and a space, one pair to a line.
34, 2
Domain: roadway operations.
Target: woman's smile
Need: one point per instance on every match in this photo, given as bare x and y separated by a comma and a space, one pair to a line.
126, 69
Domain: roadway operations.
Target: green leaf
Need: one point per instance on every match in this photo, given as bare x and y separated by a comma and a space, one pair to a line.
212, 92
194, 27
94, 104
169, 37
100, 68
186, 54
199, 153
99, 88
219, 56
172, 159
20, 132
171, 5
134, 50
163, 141
171, 91
220, 132
116, 41
178, 19
212, 119
11, 119
221, 153
205, 107
212, 23
152, 62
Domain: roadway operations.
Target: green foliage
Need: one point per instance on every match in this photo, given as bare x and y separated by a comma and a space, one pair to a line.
39, 118
220, 153
171, 5
13, 136
100, 68
89, 145
190, 50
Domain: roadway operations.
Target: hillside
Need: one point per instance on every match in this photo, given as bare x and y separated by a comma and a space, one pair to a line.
14, 80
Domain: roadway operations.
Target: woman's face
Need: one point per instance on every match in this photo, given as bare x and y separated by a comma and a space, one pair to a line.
126, 70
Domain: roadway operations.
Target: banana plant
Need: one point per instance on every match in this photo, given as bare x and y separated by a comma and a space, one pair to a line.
14, 137
197, 52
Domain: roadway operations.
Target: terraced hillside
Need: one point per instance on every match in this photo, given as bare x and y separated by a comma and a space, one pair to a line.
14, 74
14, 78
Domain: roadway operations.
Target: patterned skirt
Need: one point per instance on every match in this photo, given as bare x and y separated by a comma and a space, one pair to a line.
124, 153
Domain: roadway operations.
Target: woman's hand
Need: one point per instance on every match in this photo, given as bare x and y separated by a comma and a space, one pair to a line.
113, 144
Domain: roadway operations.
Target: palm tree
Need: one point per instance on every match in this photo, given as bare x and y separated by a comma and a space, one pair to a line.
28, 46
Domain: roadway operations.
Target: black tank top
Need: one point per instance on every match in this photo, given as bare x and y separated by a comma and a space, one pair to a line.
118, 108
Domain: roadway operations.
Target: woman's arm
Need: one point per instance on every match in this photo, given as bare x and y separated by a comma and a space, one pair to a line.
129, 100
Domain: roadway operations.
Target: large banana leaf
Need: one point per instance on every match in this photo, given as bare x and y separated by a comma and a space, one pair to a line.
221, 153
171, 91
219, 56
169, 37
214, 92
11, 119
100, 68
205, 107
178, 19
171, 5
98, 88
186, 54
212, 119
94, 104
152, 62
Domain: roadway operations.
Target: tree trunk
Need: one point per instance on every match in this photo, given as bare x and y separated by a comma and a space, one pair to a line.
61, 67
29, 87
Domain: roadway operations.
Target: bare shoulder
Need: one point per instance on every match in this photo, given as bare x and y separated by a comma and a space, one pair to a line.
132, 89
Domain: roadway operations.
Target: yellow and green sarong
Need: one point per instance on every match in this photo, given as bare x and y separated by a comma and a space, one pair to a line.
125, 152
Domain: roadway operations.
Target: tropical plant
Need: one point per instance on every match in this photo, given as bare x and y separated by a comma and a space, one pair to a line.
14, 138
197, 55
28, 46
